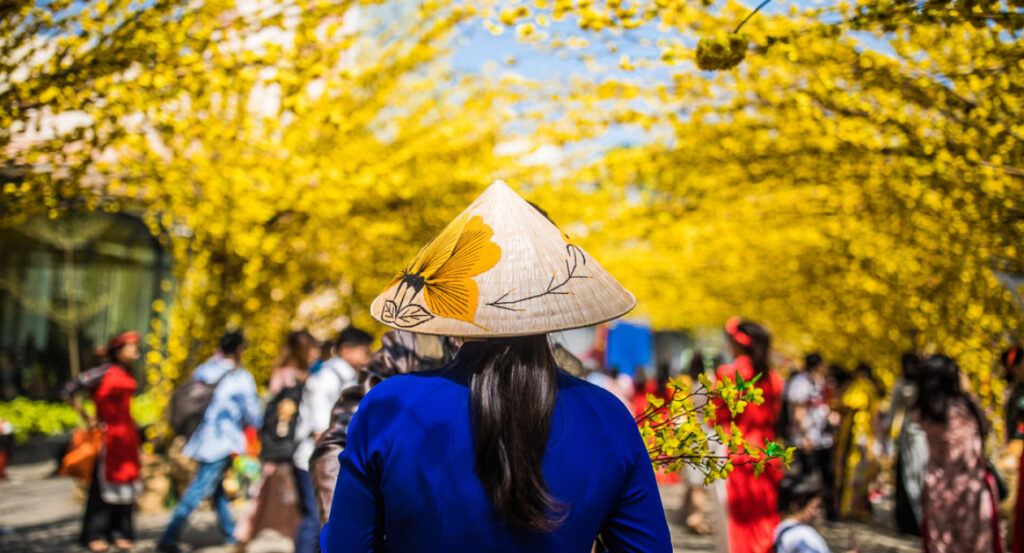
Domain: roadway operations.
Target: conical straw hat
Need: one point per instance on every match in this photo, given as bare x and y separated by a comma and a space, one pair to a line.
501, 268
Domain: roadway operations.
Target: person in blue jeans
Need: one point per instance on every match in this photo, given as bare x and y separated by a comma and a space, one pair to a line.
235, 406
308, 535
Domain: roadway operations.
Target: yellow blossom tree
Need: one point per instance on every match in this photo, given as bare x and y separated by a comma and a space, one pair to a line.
858, 184
851, 177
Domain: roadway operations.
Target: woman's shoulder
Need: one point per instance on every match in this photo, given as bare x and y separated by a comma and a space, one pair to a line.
572, 384
397, 404
578, 394
412, 389
730, 370
962, 407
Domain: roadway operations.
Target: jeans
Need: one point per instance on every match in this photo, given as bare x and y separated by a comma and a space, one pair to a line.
307, 537
208, 481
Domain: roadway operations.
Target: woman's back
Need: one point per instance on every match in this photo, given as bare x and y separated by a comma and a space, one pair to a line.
955, 446
408, 473
757, 422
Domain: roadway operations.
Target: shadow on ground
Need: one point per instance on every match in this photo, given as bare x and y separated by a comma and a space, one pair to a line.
37, 515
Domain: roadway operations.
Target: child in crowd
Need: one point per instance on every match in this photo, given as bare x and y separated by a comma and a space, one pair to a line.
800, 506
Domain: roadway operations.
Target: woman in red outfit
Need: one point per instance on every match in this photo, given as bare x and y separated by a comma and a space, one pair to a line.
751, 500
115, 481
1013, 362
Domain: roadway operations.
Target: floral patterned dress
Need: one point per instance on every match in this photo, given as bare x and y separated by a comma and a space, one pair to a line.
959, 500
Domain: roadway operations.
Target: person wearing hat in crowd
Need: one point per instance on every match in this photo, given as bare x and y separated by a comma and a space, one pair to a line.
115, 481
751, 500
498, 450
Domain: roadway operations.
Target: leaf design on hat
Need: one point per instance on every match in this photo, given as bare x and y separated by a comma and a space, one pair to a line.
575, 260
412, 315
444, 271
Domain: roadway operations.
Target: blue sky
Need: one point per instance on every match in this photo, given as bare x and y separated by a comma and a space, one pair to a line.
480, 46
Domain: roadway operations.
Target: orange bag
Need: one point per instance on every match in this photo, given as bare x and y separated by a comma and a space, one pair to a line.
81, 457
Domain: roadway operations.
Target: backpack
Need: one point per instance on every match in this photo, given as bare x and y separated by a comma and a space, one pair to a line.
278, 433
778, 539
189, 403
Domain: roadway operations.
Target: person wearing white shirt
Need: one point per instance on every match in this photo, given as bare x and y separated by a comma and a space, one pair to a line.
800, 502
350, 352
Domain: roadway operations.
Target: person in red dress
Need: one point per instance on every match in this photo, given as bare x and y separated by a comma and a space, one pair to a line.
115, 481
751, 500
659, 387
1013, 362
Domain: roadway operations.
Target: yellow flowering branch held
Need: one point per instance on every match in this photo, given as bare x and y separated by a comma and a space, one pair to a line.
683, 429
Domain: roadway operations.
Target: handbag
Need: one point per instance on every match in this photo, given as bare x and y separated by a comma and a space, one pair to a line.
1002, 490
82, 454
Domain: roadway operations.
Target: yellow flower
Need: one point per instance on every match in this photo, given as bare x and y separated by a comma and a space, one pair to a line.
444, 271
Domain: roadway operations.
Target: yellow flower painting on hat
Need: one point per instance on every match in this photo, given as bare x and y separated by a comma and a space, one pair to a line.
443, 272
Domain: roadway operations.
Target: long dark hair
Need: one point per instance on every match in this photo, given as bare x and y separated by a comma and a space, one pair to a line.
513, 391
759, 348
939, 383
297, 351
865, 370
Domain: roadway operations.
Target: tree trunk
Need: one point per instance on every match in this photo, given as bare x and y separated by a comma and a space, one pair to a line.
72, 328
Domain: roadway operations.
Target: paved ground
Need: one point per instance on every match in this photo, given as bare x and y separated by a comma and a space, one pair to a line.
878, 536
38, 515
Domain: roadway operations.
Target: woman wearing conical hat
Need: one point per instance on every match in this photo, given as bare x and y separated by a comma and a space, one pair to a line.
497, 451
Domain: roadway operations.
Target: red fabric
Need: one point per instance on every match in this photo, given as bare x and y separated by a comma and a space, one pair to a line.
994, 498
640, 405
1018, 511
640, 402
122, 339
751, 500
732, 326
252, 441
120, 436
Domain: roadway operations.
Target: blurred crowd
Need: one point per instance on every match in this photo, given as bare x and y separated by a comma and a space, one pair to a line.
921, 444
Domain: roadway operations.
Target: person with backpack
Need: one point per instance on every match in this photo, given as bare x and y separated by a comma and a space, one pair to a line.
800, 502
351, 351
232, 406
276, 504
